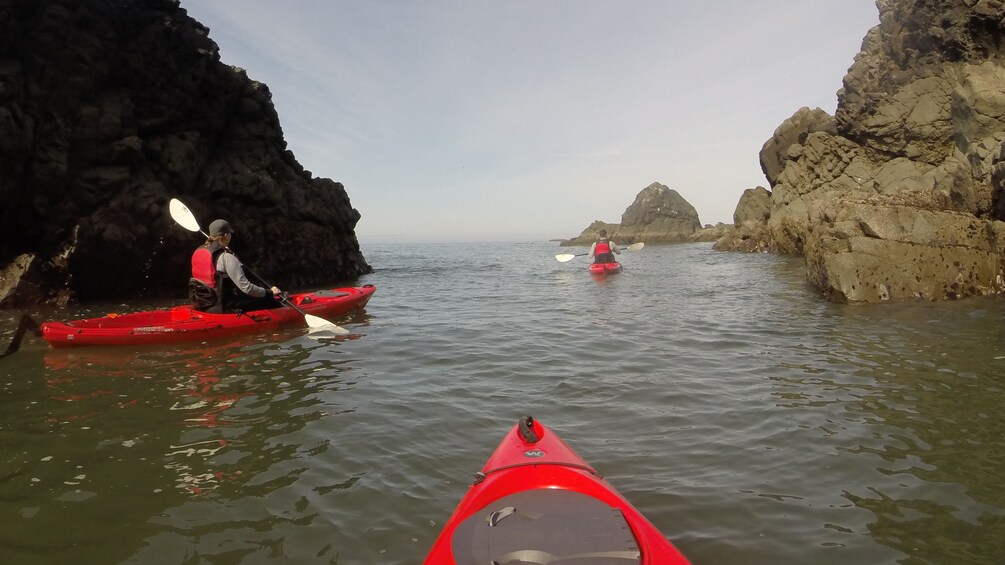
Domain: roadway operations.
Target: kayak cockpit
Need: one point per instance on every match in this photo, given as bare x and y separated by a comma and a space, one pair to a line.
546, 526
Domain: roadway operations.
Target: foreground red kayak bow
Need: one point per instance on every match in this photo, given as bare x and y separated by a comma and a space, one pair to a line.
537, 502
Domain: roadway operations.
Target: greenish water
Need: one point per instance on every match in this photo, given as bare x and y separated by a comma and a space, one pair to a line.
749, 420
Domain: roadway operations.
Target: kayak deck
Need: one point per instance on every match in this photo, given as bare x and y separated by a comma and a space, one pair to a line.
182, 323
536, 501
541, 525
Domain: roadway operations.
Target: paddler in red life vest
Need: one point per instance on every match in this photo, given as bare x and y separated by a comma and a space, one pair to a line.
603, 250
218, 281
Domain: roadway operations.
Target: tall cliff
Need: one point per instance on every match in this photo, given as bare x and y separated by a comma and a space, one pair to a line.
901, 193
108, 109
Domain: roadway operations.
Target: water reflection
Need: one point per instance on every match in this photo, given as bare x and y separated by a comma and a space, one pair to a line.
108, 435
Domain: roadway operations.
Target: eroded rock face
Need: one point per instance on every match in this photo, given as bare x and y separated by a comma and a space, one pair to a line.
108, 109
754, 207
659, 214
749, 231
901, 197
793, 131
871, 252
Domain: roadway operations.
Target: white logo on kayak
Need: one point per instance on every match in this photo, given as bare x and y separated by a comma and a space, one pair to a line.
533, 453
152, 330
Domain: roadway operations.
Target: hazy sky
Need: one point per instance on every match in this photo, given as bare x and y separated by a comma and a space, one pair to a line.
520, 120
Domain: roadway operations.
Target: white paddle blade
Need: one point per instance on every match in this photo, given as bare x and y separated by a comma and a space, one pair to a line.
564, 257
320, 324
181, 214
636, 246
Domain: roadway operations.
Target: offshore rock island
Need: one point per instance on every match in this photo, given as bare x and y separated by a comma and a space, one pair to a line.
901, 194
659, 214
108, 109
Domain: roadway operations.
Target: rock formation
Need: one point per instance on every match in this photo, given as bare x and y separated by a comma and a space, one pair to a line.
901, 193
658, 215
749, 230
710, 233
109, 108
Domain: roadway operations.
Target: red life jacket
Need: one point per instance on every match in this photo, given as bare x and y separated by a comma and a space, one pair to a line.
208, 288
602, 247
204, 263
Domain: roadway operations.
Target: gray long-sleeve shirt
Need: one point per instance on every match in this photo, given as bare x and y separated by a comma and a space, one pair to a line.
229, 263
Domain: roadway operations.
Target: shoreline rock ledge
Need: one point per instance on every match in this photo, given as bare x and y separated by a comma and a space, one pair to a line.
659, 214
900, 194
108, 109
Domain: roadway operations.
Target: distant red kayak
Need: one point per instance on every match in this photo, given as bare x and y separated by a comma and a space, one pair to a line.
605, 268
182, 323
537, 502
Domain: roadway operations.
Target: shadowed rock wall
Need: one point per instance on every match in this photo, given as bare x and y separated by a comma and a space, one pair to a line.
109, 108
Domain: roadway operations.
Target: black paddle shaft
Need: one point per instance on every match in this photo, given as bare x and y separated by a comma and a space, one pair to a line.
27, 323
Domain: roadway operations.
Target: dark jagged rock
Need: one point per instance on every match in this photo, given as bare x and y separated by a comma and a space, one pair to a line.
658, 215
901, 197
109, 108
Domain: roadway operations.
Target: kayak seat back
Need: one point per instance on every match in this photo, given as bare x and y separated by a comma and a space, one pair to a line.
546, 526
201, 297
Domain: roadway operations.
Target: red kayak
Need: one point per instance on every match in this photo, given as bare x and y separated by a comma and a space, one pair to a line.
605, 268
537, 502
182, 323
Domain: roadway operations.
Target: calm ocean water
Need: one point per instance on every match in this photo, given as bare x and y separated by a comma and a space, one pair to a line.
748, 419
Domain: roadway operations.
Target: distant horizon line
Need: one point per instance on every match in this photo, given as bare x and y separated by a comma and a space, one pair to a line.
453, 239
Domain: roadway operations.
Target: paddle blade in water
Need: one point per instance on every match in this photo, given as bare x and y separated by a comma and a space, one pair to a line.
564, 257
183, 215
328, 329
320, 324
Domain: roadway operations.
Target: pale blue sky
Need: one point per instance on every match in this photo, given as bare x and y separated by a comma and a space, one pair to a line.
519, 120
